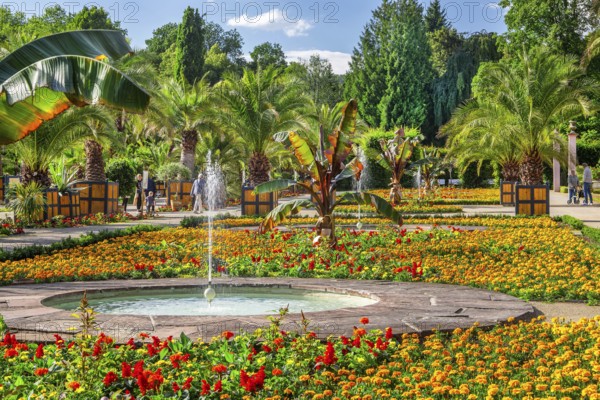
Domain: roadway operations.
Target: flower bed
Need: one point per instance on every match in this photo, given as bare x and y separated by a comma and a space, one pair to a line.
526, 360
449, 195
8, 228
531, 258
405, 208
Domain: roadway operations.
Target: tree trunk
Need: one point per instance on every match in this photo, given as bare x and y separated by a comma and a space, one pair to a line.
532, 169
94, 162
396, 193
510, 171
28, 175
326, 229
189, 140
259, 167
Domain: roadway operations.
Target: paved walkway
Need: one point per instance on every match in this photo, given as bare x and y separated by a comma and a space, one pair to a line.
590, 215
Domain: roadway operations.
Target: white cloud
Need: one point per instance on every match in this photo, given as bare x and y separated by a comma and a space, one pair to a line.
339, 61
272, 21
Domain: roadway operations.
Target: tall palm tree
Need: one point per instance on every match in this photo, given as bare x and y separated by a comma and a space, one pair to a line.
50, 140
256, 106
187, 112
531, 97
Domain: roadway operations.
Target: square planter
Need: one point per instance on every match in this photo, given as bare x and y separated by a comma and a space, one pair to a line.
532, 200
257, 205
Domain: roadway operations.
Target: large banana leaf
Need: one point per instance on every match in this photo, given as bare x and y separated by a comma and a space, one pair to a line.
282, 211
48, 87
97, 44
381, 205
354, 168
301, 150
274, 186
349, 113
340, 139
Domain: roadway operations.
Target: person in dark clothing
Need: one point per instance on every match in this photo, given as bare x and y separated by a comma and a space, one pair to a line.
138, 192
151, 187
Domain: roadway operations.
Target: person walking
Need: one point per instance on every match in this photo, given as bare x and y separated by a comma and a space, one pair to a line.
573, 182
138, 200
197, 192
150, 204
587, 185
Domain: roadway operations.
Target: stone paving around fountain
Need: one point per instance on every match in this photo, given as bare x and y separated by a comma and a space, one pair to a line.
405, 307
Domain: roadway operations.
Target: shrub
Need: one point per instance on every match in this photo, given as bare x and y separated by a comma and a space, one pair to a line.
574, 222
122, 171
173, 171
27, 201
588, 152
564, 189
471, 179
591, 233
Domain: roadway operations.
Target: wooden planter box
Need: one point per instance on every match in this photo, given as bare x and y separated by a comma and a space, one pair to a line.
507, 193
98, 197
257, 205
182, 189
532, 200
65, 204
161, 188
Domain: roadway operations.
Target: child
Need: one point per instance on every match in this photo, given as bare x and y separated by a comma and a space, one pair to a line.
150, 204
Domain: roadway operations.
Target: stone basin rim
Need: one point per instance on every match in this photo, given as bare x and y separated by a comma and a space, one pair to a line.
406, 307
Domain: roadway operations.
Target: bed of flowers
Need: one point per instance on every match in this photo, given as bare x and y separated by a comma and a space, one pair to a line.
8, 228
412, 207
531, 258
449, 195
529, 360
61, 221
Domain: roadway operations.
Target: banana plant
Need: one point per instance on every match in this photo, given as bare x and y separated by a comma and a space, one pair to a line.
42, 79
432, 166
395, 157
322, 169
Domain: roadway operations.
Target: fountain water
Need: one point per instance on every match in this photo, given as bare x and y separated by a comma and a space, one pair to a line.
362, 183
216, 195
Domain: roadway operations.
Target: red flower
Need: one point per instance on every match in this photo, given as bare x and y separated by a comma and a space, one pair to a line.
39, 353
110, 378
277, 372
360, 332
227, 334
218, 386
388, 333
73, 385
205, 388
188, 383
125, 370
253, 383
9, 353
266, 348
175, 387
60, 343
219, 369
41, 371
364, 320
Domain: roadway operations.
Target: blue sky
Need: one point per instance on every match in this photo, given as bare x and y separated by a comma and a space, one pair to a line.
302, 27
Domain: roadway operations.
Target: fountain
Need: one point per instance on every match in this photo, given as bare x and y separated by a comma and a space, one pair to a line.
216, 196
361, 183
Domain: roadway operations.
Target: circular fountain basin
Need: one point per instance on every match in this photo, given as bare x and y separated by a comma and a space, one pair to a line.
238, 301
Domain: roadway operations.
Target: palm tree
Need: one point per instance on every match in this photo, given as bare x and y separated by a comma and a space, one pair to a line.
532, 97
50, 140
593, 47
258, 105
187, 111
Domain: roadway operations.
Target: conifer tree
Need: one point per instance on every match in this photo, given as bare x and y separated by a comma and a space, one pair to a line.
190, 48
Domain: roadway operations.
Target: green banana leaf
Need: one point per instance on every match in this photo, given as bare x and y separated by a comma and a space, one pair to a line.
274, 186
302, 151
339, 139
282, 211
382, 206
48, 87
97, 44
349, 113
354, 168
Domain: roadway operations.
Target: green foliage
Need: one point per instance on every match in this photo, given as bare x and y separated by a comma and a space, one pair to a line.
390, 71
27, 201
3, 326
123, 171
173, 172
574, 222
588, 152
162, 38
268, 55
190, 47
592, 233
379, 177
561, 25
435, 17
94, 18
22, 253
470, 178
322, 84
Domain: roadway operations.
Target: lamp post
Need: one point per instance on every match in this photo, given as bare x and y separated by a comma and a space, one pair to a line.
572, 145
556, 165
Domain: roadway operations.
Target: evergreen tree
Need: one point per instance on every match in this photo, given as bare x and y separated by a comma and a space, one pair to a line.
323, 85
190, 49
435, 18
406, 99
94, 18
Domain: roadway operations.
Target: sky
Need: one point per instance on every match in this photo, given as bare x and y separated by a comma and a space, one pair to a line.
303, 27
